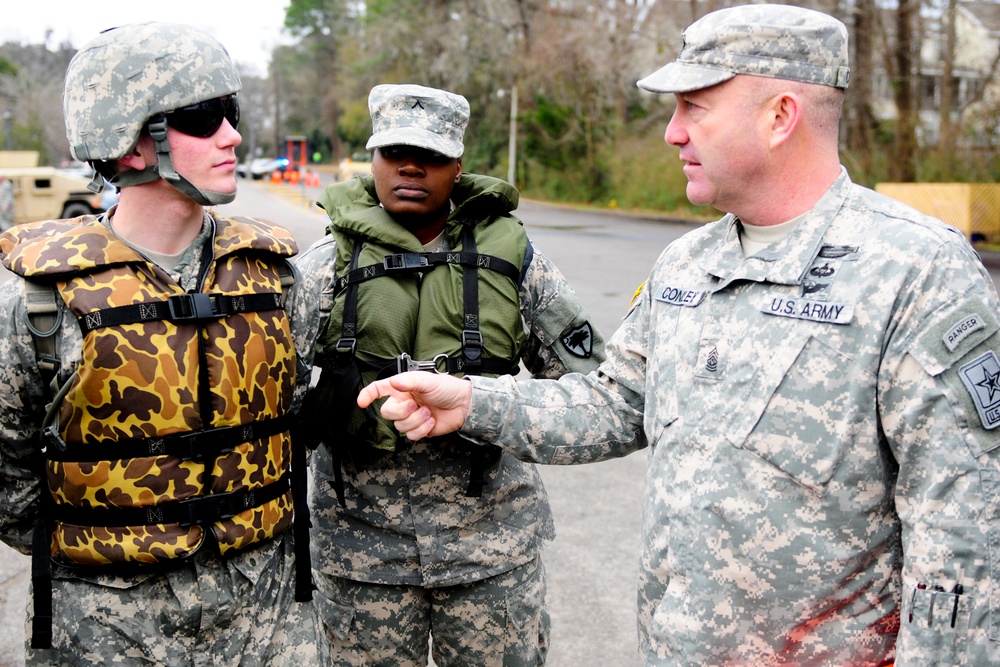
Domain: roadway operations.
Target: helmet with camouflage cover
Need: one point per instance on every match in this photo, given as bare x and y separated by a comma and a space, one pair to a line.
129, 75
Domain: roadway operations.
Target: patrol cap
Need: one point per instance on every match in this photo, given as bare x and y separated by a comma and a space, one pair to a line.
412, 115
777, 41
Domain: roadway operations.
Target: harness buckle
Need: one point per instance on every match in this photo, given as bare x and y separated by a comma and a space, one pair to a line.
52, 431
198, 306
345, 346
472, 344
190, 446
201, 510
405, 362
405, 261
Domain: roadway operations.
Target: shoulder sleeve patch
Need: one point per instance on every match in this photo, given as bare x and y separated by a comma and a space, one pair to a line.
981, 378
951, 336
579, 340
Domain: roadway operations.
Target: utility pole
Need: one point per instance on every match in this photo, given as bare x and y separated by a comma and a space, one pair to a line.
512, 141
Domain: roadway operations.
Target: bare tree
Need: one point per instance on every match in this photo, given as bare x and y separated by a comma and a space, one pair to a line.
861, 121
946, 128
903, 166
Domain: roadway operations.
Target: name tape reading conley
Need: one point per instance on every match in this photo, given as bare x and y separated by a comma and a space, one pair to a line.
809, 309
680, 296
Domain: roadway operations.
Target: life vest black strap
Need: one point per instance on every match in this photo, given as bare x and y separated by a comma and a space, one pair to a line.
188, 512
472, 338
182, 308
196, 445
482, 459
41, 588
413, 262
301, 522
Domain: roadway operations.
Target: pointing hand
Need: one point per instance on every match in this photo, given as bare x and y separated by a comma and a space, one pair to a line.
421, 404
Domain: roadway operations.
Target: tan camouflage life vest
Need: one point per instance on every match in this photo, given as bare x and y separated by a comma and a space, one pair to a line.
173, 433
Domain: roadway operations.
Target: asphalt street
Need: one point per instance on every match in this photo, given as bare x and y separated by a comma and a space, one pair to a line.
593, 563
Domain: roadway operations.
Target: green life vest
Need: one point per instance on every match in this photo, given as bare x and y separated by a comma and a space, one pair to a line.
459, 308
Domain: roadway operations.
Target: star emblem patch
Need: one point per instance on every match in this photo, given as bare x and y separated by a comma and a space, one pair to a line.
981, 378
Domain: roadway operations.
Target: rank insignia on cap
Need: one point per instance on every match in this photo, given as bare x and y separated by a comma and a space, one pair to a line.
981, 377
579, 341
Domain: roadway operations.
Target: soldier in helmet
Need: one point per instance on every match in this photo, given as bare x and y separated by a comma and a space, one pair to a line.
425, 264
148, 382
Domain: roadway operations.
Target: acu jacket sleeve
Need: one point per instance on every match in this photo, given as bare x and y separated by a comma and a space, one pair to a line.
21, 412
561, 334
939, 407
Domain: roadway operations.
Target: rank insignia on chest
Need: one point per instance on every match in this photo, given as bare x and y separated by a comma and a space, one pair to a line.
711, 362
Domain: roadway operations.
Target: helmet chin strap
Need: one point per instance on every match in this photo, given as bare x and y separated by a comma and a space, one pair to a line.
164, 168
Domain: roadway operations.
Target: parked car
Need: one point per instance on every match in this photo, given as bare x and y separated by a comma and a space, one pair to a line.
261, 167
109, 195
45, 193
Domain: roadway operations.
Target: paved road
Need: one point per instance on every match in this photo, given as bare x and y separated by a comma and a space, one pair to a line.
592, 564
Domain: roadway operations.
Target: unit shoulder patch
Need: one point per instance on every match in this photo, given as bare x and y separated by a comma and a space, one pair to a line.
981, 378
579, 341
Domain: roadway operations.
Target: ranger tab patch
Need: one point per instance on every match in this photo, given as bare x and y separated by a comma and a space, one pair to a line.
981, 377
962, 330
809, 309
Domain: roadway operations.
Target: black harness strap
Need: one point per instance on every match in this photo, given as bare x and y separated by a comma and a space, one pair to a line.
339, 382
182, 308
413, 262
472, 338
482, 457
198, 510
41, 588
301, 522
196, 445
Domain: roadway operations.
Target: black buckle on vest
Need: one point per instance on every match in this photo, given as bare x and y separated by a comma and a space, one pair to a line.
190, 446
403, 261
472, 344
52, 431
198, 306
344, 350
216, 507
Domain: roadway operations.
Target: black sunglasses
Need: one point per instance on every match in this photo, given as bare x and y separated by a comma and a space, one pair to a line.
205, 118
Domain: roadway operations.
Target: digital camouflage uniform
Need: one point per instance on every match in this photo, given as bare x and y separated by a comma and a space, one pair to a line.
409, 535
203, 609
824, 453
6, 204
209, 611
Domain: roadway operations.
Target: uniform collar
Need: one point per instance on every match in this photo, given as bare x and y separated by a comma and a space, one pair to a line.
786, 261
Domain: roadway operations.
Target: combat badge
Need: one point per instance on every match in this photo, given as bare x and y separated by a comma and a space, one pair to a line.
981, 377
579, 341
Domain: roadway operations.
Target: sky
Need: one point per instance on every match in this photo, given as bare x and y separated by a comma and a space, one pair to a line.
249, 29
